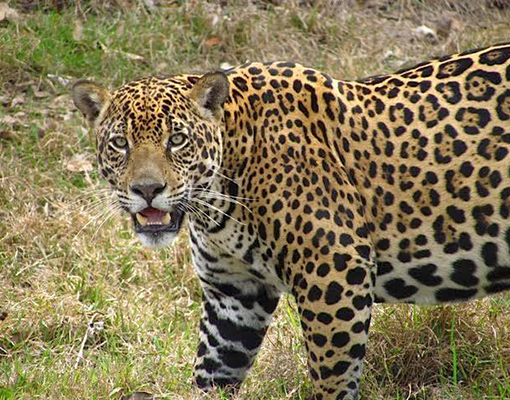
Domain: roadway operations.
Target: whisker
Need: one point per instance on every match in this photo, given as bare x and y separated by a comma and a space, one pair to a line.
188, 209
106, 210
175, 198
111, 212
226, 177
94, 207
88, 210
92, 190
224, 194
87, 197
199, 213
103, 211
218, 196
227, 169
204, 203
197, 210
78, 207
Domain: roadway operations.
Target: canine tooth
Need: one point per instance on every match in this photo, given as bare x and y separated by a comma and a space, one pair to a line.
141, 219
166, 219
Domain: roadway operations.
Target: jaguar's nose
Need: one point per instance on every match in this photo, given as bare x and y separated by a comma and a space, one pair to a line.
148, 190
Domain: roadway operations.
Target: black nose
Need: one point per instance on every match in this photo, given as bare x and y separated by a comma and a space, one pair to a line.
148, 190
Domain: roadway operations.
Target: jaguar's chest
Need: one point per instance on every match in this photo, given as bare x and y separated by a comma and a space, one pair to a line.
233, 253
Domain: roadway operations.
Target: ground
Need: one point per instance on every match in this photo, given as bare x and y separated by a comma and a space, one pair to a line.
85, 311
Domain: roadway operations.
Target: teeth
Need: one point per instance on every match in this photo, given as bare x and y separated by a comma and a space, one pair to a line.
141, 219
144, 221
166, 219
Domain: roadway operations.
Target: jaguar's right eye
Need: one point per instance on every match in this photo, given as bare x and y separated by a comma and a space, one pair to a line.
120, 142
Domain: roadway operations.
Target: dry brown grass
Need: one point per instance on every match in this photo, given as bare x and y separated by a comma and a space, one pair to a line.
56, 277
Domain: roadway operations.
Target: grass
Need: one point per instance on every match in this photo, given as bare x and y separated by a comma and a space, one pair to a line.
59, 275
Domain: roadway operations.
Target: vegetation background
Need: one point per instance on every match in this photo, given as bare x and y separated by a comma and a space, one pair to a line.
85, 311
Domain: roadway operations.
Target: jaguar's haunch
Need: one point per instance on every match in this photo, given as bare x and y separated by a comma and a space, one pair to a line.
393, 189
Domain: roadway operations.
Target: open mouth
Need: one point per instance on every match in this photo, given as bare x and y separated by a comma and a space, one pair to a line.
152, 220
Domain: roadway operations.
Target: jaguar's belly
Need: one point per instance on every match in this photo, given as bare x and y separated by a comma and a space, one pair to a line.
434, 277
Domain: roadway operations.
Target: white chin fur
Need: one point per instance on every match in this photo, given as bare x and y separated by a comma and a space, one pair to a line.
157, 241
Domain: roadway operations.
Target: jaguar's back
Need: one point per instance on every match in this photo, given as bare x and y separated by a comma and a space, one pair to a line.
429, 154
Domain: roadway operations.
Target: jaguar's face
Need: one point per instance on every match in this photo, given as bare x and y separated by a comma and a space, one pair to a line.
158, 142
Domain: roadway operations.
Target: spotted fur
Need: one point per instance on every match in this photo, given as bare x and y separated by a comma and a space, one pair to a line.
392, 189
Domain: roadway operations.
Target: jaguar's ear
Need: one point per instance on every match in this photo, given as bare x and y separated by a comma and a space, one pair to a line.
209, 93
90, 98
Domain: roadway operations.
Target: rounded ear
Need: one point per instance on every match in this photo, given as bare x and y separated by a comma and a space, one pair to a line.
209, 93
90, 98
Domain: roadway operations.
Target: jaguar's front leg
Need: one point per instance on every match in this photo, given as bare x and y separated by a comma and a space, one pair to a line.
235, 317
334, 300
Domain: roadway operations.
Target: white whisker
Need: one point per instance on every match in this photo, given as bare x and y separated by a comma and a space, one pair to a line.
219, 196
206, 204
89, 198
110, 213
226, 177
224, 194
107, 209
196, 212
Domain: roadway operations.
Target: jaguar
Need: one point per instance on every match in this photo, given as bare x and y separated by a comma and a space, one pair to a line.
394, 188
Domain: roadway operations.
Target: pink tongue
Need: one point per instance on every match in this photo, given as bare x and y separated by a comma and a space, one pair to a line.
153, 215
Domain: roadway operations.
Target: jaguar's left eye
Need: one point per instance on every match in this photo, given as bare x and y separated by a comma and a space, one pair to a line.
120, 142
176, 141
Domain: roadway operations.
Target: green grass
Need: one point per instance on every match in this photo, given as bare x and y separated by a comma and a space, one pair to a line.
56, 276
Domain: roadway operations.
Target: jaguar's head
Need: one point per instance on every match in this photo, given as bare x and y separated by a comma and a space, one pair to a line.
157, 141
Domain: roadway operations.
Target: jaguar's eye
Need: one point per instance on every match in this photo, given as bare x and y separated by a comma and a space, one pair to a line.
176, 141
120, 142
